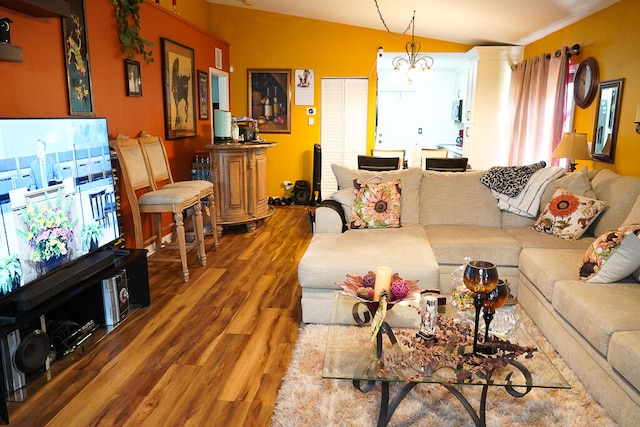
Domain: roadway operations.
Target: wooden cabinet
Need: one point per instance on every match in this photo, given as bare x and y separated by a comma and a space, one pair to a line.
239, 174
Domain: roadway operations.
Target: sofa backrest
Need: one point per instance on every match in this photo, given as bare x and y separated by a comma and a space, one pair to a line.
620, 192
457, 198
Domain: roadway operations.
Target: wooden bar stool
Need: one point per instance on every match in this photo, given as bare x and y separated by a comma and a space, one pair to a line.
144, 198
155, 155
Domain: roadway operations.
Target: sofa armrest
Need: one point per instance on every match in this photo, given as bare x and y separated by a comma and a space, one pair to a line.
329, 218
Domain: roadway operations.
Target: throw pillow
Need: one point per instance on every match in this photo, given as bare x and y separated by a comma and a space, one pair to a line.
634, 214
376, 205
345, 198
612, 256
567, 215
577, 182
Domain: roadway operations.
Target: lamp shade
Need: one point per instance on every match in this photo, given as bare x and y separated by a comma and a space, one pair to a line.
573, 146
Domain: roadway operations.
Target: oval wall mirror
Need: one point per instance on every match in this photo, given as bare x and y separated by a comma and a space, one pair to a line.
605, 130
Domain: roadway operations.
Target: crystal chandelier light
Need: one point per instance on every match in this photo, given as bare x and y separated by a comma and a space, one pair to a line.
415, 63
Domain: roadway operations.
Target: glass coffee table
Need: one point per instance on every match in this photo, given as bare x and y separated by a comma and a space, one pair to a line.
398, 355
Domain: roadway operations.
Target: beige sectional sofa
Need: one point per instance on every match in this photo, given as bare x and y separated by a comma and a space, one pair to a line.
449, 216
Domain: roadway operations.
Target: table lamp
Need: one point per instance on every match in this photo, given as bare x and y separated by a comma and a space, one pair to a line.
573, 146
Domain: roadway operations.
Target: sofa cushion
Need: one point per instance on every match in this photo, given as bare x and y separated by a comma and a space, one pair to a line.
577, 182
544, 267
330, 257
529, 238
597, 311
452, 243
634, 214
620, 193
376, 205
624, 354
456, 198
568, 215
411, 180
612, 256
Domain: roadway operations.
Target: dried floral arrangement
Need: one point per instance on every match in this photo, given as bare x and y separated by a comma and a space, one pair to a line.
361, 287
450, 356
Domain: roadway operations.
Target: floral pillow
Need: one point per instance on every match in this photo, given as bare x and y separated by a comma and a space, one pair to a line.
612, 256
376, 205
567, 215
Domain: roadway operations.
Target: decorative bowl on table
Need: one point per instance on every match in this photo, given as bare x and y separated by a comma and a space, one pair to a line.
361, 288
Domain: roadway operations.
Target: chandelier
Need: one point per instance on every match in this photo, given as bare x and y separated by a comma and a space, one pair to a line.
415, 62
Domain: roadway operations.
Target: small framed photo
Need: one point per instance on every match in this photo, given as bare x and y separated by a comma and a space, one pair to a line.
203, 95
132, 74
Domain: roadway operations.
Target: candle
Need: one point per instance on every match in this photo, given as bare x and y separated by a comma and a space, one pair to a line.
383, 282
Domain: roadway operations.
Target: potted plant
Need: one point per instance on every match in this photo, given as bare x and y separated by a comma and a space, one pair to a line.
90, 235
10, 273
128, 16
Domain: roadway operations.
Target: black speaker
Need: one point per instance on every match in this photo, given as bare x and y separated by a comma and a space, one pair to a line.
25, 354
316, 197
301, 193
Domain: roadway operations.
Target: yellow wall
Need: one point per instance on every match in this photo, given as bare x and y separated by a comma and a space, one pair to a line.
267, 40
610, 37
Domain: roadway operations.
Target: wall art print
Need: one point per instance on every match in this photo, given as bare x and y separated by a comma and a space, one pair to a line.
178, 77
270, 99
76, 51
203, 95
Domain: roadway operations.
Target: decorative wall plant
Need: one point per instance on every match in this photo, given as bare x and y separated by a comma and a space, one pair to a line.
128, 16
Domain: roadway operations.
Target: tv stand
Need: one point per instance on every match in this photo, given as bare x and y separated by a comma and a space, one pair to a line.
78, 300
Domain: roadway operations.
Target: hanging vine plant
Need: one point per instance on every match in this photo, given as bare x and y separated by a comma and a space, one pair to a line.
128, 16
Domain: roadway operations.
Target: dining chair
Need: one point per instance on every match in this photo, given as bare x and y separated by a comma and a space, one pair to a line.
453, 164
401, 154
433, 153
372, 163
144, 198
155, 155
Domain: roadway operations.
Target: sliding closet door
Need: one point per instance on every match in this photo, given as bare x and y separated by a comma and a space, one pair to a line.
343, 131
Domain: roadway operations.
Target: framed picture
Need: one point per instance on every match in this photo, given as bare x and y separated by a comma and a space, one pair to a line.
132, 75
203, 95
76, 59
179, 90
270, 99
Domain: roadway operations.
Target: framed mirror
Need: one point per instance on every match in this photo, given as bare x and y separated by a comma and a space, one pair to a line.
605, 129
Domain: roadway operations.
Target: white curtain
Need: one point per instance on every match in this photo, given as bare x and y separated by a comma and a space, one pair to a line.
537, 107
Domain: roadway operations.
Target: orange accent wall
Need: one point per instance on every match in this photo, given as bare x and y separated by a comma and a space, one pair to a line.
37, 87
270, 40
608, 36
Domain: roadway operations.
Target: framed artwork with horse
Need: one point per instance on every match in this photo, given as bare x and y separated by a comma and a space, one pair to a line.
178, 78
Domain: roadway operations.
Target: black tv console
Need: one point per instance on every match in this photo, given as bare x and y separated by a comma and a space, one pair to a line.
78, 298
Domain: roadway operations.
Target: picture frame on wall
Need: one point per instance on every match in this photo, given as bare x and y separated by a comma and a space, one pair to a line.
76, 59
178, 78
203, 95
132, 77
269, 99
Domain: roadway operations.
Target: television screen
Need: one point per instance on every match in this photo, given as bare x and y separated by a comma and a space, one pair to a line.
57, 195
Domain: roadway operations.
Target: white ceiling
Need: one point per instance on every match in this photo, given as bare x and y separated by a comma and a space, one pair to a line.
473, 22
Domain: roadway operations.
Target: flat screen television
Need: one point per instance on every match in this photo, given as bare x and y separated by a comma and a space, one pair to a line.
57, 198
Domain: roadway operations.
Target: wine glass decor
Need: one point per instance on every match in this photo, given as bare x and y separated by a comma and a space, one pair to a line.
492, 301
480, 277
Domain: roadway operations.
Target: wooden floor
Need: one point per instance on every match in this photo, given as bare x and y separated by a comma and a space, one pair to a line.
211, 352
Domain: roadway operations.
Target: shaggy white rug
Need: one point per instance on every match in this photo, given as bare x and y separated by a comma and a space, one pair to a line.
305, 399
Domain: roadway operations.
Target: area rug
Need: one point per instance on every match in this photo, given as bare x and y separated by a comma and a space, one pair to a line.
305, 399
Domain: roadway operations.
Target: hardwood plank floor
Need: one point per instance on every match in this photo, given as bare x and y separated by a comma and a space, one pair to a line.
211, 352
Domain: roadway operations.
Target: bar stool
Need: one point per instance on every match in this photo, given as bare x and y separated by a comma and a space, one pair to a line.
137, 178
157, 160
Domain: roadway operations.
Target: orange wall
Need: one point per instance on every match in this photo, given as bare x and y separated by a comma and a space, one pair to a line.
37, 86
268, 40
608, 36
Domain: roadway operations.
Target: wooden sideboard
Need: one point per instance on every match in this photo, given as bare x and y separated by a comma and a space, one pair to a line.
239, 175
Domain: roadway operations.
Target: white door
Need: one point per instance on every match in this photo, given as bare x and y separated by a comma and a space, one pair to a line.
397, 127
343, 129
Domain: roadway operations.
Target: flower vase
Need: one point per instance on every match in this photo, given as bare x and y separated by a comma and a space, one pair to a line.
51, 264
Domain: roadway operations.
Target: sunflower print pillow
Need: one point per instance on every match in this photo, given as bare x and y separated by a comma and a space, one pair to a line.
568, 215
376, 205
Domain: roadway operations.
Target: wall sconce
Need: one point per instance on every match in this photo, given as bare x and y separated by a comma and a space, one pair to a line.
573, 146
637, 120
